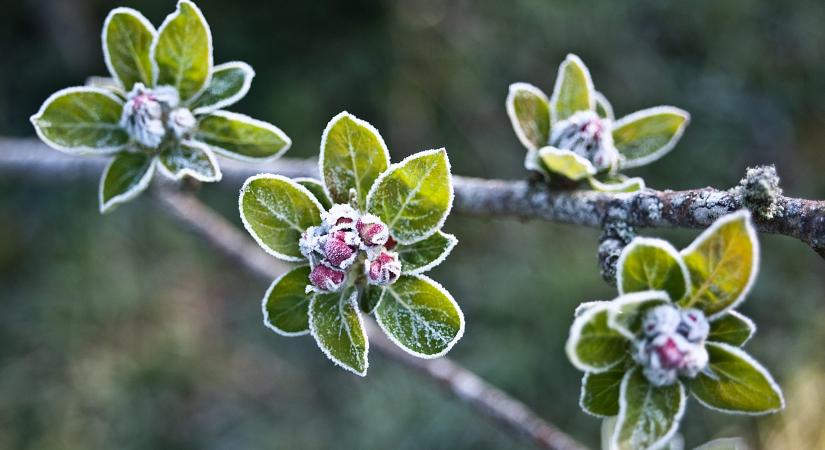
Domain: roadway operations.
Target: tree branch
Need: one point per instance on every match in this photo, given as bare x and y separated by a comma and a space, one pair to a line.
697, 208
462, 383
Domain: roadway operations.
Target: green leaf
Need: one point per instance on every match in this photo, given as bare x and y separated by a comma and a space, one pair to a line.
724, 444
276, 211
529, 111
648, 415
336, 325
420, 316
626, 313
732, 328
183, 51
652, 264
573, 91
734, 382
413, 197
372, 297
127, 43
723, 262
603, 107
566, 163
600, 391
353, 155
189, 158
617, 184
425, 254
126, 176
241, 137
317, 189
81, 120
286, 304
592, 345
229, 83
647, 135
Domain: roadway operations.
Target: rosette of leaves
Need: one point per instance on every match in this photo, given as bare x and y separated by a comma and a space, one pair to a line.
161, 109
574, 135
677, 442
412, 197
712, 275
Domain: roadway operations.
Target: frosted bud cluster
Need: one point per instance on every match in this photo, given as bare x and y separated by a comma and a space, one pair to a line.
587, 135
334, 246
672, 344
150, 115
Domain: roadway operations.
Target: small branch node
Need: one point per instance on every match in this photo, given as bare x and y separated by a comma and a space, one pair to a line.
760, 191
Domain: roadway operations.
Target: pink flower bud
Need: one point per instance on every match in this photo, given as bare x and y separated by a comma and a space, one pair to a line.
340, 215
372, 230
338, 253
384, 269
327, 279
670, 357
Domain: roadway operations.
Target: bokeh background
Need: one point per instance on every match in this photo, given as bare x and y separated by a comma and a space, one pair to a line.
127, 332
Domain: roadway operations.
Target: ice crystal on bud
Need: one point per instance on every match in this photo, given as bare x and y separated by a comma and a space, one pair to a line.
149, 114
384, 269
587, 135
672, 344
326, 279
372, 231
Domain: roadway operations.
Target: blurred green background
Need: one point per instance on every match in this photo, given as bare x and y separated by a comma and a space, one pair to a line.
127, 332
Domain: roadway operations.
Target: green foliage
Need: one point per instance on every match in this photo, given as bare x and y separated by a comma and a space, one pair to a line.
410, 199
171, 68
713, 274
631, 141
126, 176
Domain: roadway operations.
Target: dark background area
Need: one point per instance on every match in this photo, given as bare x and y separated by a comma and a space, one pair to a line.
127, 332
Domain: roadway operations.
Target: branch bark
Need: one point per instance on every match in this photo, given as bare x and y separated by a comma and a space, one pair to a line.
697, 208
468, 387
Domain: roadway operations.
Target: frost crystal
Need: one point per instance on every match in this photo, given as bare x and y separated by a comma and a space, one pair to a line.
150, 113
672, 344
587, 135
334, 247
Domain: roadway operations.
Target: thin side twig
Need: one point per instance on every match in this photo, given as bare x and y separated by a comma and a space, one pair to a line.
466, 386
802, 219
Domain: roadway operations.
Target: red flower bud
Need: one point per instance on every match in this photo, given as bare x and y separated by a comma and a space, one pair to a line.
373, 232
338, 253
326, 278
383, 269
670, 356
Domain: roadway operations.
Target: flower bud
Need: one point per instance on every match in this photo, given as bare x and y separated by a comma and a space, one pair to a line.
310, 245
142, 116
662, 319
672, 344
372, 230
338, 253
342, 215
587, 135
693, 325
384, 269
326, 279
181, 121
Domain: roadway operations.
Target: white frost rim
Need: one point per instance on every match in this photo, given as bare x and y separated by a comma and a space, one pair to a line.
661, 244
316, 182
107, 58
600, 99
399, 165
249, 74
187, 171
616, 306
570, 59
662, 441
248, 226
590, 170
745, 215
75, 150
642, 114
142, 184
451, 243
267, 322
582, 395
449, 297
747, 320
510, 105
166, 22
575, 335
584, 306
243, 118
739, 353
314, 332
618, 188
328, 128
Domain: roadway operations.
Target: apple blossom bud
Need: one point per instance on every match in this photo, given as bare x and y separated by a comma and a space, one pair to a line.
693, 326
327, 279
341, 214
142, 116
672, 344
338, 253
181, 121
587, 135
384, 269
372, 230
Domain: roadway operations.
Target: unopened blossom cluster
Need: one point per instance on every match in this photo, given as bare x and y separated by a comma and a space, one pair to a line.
672, 344
152, 115
344, 241
589, 136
